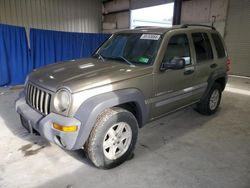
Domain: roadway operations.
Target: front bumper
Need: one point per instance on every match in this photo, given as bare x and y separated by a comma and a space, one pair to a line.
44, 125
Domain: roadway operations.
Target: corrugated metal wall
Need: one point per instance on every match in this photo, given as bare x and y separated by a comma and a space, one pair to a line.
237, 36
62, 15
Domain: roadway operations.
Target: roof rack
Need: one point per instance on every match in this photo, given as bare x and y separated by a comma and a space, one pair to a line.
146, 27
198, 25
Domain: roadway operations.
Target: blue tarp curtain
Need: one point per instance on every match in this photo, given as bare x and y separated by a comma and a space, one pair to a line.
46, 47
52, 46
14, 55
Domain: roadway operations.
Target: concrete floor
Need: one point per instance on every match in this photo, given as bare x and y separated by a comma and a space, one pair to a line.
182, 150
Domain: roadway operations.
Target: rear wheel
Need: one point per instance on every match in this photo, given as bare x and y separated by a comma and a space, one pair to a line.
113, 138
210, 104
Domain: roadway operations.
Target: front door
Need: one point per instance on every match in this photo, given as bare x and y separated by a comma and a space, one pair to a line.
173, 88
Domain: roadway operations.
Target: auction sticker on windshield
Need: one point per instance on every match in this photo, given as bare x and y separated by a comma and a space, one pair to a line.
143, 60
150, 37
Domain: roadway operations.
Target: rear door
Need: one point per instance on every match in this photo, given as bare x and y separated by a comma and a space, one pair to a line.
220, 54
204, 60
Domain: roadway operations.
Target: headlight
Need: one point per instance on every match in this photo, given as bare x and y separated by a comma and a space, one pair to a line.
62, 100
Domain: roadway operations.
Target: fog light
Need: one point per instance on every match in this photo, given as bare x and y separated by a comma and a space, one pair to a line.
71, 128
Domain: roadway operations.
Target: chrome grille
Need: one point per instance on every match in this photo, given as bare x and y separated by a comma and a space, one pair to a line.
38, 99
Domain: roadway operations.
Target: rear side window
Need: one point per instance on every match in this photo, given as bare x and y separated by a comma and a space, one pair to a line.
202, 46
218, 45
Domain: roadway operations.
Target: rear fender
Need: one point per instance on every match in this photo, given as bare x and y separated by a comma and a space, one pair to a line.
220, 73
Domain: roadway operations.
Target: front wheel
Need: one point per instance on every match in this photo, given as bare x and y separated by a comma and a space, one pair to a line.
113, 138
212, 101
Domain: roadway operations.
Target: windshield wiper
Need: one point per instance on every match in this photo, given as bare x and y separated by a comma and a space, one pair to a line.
127, 61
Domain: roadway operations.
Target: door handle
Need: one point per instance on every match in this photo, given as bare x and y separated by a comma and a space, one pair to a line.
190, 71
214, 65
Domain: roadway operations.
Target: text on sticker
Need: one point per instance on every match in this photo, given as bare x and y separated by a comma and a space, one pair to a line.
150, 37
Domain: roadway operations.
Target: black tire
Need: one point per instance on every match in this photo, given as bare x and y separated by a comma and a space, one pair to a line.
204, 107
94, 145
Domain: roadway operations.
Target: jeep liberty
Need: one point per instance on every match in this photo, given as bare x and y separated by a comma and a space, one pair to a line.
133, 78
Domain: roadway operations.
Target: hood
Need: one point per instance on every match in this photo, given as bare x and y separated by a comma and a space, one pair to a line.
78, 75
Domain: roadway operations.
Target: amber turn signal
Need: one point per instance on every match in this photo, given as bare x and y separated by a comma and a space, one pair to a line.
62, 128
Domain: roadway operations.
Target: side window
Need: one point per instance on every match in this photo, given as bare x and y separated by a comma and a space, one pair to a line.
178, 47
202, 46
218, 45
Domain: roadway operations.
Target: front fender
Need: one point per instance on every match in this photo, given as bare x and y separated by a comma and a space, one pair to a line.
92, 107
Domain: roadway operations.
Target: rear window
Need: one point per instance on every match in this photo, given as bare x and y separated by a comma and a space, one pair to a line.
202, 46
218, 45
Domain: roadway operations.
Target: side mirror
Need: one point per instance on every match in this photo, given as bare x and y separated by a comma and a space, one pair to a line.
175, 64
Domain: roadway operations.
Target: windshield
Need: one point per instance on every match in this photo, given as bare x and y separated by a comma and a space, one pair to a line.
130, 47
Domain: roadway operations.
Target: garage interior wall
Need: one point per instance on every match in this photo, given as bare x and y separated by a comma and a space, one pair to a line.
237, 36
116, 13
204, 11
232, 21
61, 15
135, 4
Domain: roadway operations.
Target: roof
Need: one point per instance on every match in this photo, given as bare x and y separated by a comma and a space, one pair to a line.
156, 30
162, 30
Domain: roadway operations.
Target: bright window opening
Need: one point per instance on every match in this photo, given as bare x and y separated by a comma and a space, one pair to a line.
161, 15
